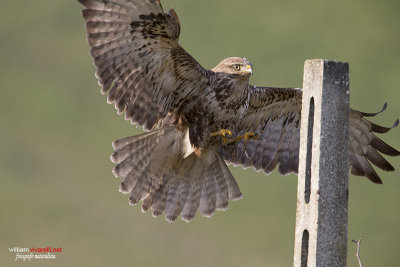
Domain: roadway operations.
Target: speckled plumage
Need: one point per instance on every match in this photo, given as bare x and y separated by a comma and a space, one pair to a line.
148, 76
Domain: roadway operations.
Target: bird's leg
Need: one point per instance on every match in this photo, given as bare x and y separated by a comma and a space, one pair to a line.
247, 136
223, 133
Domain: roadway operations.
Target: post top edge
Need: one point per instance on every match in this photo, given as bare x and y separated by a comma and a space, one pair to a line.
320, 61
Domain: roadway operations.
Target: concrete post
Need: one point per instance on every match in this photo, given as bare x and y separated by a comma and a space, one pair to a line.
322, 192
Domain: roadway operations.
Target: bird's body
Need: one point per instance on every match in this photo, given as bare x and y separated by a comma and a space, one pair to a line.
179, 165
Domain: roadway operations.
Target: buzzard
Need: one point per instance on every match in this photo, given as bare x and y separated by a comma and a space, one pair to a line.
197, 120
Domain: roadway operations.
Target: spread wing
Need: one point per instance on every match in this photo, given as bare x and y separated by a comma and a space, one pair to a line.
140, 64
364, 146
274, 114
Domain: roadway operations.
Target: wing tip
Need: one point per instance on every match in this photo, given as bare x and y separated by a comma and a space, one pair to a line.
366, 114
377, 181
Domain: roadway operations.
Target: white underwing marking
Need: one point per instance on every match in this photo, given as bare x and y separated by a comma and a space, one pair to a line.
187, 147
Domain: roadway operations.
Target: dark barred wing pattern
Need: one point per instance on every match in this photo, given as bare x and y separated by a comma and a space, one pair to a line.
139, 62
274, 114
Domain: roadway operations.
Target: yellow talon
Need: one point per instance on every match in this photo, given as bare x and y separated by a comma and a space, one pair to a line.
251, 135
224, 133
247, 136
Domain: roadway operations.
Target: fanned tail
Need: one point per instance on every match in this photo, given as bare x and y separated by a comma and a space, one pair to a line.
156, 172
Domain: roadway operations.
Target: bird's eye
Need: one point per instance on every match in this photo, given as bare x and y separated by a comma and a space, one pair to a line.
236, 67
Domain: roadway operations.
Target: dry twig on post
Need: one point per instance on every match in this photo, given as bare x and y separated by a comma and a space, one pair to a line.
358, 250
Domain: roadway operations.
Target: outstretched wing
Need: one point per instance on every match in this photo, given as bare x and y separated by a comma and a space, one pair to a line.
364, 146
274, 114
140, 64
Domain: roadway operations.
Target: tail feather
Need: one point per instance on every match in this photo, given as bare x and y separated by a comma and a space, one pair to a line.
128, 183
208, 194
172, 200
193, 201
118, 144
222, 195
184, 190
125, 150
139, 191
124, 157
156, 183
131, 163
212, 189
155, 171
160, 199
233, 188
147, 203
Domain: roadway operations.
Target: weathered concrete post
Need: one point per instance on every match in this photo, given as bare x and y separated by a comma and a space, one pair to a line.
322, 192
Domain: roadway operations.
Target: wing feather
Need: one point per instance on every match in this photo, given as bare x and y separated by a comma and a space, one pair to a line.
140, 64
285, 164
274, 114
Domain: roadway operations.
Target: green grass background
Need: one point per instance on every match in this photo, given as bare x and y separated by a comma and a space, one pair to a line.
56, 186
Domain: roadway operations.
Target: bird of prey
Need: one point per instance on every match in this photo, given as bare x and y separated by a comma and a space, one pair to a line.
197, 120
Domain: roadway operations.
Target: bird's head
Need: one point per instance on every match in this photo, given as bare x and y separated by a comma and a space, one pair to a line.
235, 65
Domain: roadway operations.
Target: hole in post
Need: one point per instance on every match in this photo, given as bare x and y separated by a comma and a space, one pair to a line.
307, 188
304, 249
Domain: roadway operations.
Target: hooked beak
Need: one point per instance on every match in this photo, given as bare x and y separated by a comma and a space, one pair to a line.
248, 69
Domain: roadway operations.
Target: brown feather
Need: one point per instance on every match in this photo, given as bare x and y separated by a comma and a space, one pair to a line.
277, 111
135, 49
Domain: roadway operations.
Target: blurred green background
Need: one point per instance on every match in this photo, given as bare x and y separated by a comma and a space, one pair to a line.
56, 130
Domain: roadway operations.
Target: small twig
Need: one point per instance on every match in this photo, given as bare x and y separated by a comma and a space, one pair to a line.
358, 250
